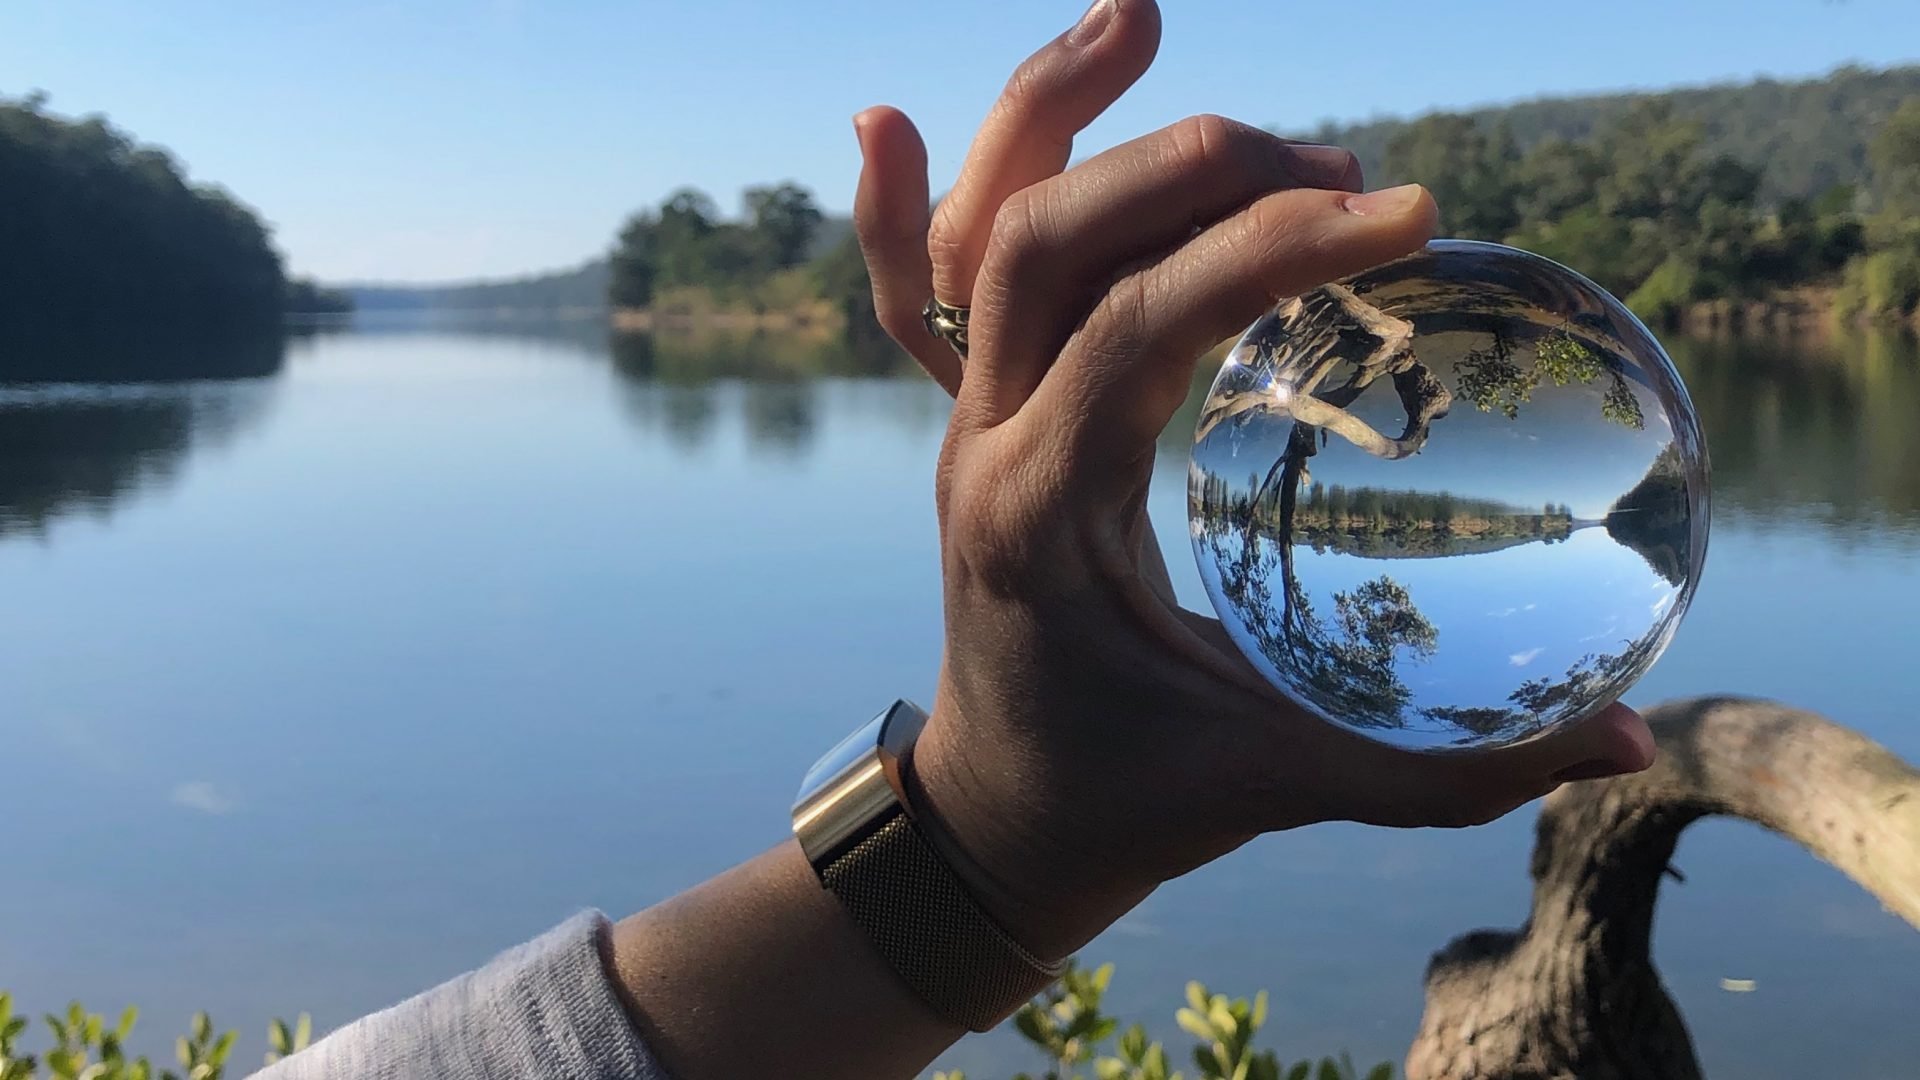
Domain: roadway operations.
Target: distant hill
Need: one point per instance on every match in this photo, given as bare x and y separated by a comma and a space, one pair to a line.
1803, 136
581, 289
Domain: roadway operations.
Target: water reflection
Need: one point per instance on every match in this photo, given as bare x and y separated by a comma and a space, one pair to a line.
122, 354
673, 381
129, 406
68, 449
1816, 431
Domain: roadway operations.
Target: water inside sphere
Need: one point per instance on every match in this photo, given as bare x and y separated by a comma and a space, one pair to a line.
1452, 502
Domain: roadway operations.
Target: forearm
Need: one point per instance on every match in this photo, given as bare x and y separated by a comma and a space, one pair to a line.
760, 972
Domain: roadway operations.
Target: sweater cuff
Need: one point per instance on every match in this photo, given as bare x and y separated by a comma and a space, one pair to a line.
545, 1010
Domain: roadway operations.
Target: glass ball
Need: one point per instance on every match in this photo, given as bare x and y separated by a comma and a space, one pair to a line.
1452, 502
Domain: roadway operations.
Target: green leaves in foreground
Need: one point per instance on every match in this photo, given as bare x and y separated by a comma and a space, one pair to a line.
86, 1048
1067, 1025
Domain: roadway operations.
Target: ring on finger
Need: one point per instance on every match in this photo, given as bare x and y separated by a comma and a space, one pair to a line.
947, 322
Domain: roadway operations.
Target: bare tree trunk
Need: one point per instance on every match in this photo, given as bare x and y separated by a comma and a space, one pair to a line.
1574, 994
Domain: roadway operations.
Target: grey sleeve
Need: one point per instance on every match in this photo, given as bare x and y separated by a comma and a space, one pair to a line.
542, 1011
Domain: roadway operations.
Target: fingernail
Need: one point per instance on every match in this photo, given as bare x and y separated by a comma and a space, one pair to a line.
1597, 769
1316, 165
1391, 200
1092, 24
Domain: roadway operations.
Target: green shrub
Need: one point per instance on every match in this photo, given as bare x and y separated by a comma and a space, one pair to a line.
86, 1048
1069, 1028
1066, 1024
1893, 281
1663, 297
1883, 285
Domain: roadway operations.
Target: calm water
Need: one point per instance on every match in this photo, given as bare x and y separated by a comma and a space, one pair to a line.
321, 687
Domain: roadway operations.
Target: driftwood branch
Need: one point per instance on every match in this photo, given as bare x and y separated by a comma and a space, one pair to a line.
1321, 320
1574, 994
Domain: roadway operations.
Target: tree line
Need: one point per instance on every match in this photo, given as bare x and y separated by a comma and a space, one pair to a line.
782, 254
1804, 136
98, 229
1648, 207
1372, 508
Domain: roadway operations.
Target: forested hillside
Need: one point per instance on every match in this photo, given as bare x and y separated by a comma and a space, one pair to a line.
96, 227
1803, 137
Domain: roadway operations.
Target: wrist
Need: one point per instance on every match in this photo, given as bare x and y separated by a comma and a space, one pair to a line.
1023, 852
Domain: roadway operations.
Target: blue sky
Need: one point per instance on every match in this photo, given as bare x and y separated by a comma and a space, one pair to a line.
442, 139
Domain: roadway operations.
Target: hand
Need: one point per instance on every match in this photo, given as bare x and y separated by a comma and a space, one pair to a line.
1090, 739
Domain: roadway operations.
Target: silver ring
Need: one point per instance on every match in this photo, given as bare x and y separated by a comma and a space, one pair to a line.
947, 322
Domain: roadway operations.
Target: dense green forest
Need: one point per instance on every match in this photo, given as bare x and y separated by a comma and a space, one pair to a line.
1803, 137
113, 264
1652, 207
781, 256
96, 226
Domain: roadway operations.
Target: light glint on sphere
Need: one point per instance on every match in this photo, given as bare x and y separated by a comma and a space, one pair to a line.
1452, 502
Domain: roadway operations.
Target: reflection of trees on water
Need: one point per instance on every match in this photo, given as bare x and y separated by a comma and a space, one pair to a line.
673, 380
1812, 432
69, 449
692, 357
123, 353
1593, 678
66, 445
1346, 665
1654, 518
1384, 523
782, 414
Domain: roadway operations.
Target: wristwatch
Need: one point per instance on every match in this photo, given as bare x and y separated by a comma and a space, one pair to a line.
857, 828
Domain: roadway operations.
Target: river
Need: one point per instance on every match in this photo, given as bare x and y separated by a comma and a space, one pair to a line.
322, 686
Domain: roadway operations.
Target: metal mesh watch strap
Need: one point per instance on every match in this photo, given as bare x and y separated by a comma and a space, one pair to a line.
933, 933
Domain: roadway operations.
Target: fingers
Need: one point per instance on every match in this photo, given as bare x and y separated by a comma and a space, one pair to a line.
1028, 135
1481, 787
1128, 368
1453, 790
1611, 742
890, 216
1055, 246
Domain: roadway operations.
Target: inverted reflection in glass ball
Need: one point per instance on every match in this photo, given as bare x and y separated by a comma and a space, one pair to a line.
1454, 501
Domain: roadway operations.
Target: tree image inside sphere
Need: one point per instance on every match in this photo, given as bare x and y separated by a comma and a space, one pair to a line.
1451, 502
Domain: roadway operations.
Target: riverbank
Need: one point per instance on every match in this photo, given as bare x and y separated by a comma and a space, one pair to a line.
1799, 311
816, 318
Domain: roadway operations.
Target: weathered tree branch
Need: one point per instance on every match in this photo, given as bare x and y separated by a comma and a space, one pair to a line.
1324, 345
1574, 994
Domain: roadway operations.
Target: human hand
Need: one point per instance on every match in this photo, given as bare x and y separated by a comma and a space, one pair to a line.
1090, 739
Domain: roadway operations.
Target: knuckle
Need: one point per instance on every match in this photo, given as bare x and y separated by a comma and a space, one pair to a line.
1020, 232
946, 246
1031, 85
1117, 327
1266, 242
1209, 141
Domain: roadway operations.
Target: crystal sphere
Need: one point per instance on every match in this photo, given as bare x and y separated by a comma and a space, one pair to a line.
1452, 502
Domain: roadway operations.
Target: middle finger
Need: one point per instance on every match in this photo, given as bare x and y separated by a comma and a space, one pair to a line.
1028, 135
